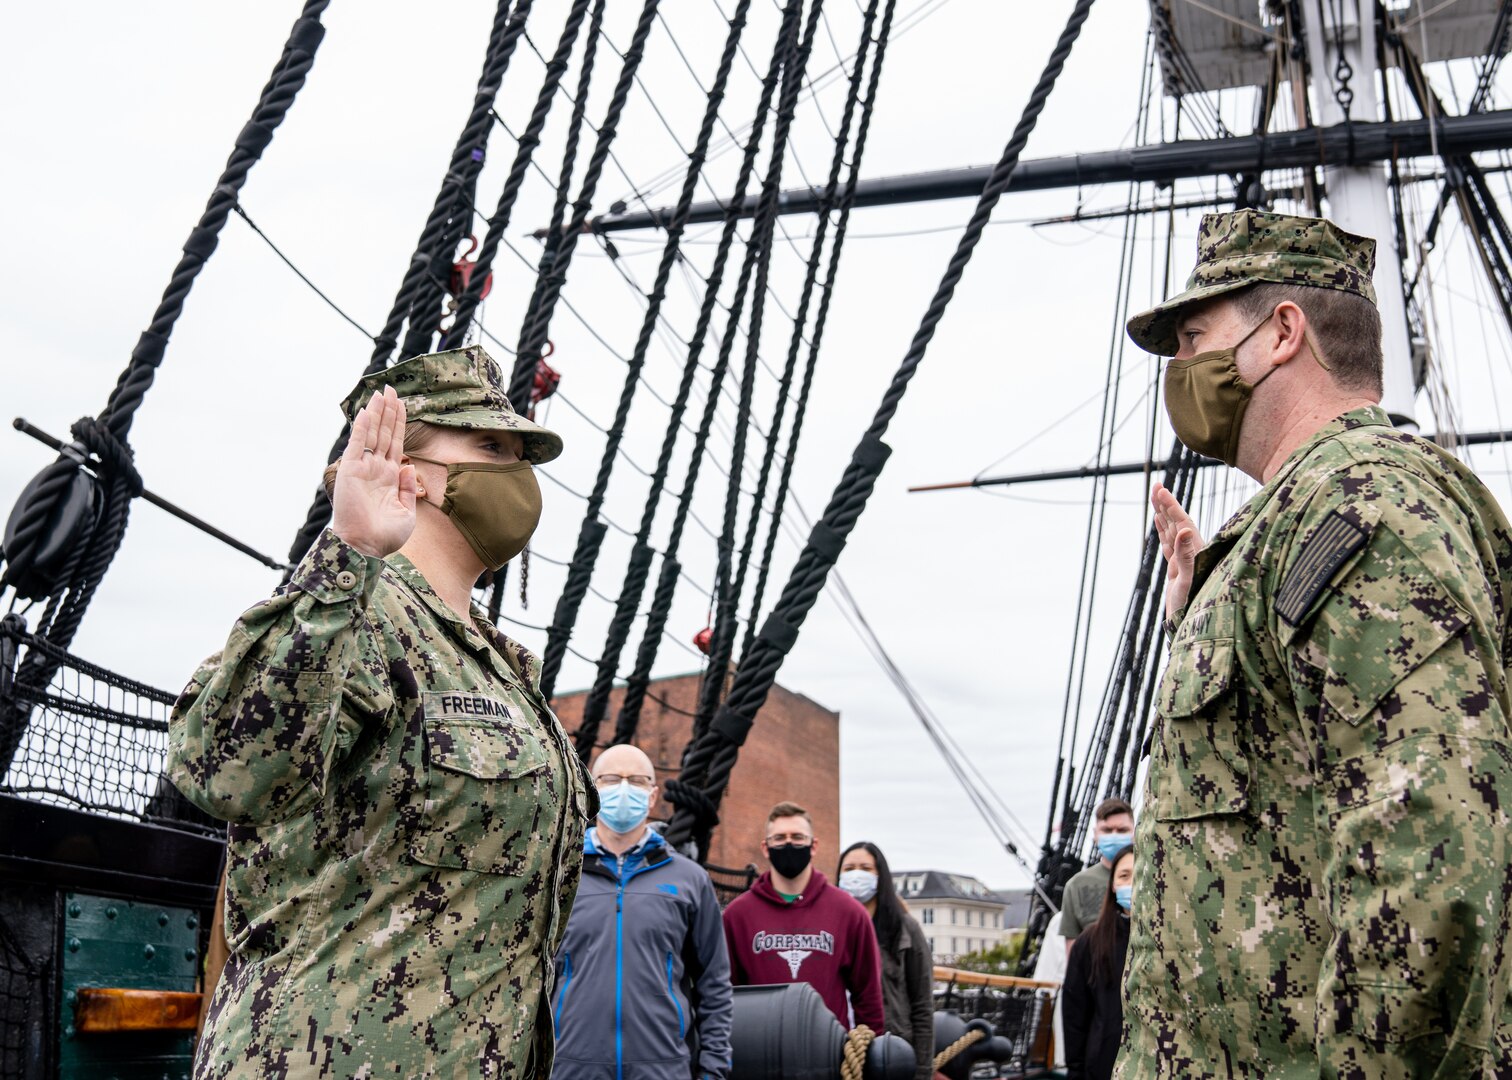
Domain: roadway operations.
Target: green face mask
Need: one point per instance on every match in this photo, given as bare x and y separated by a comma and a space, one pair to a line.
495, 507
1206, 399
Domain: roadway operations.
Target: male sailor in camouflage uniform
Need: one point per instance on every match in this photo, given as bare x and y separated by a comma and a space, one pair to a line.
1325, 870
406, 813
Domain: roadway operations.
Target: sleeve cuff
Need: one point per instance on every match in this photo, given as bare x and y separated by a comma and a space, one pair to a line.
334, 572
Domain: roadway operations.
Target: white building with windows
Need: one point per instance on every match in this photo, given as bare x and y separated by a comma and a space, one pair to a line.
958, 913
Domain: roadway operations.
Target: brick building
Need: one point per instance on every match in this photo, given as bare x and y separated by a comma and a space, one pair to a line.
793, 753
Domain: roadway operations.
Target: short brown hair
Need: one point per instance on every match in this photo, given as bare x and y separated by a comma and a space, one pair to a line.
1108, 807
417, 436
789, 809
1347, 328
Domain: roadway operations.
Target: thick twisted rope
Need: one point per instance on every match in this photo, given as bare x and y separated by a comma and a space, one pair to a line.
451, 217
569, 163
273, 104
640, 557
727, 592
576, 586
708, 761
971, 1038
666, 585
800, 408
530, 138
72, 587
438, 239
858, 1041
538, 321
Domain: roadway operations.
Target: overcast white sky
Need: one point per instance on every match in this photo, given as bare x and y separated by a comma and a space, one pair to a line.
120, 117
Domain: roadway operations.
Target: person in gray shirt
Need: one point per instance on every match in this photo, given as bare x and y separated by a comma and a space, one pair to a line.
1082, 900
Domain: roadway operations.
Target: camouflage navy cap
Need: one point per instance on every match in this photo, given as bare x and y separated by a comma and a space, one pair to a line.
459, 388
1247, 247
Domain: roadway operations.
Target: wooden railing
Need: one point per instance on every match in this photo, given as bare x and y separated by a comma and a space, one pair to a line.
961, 977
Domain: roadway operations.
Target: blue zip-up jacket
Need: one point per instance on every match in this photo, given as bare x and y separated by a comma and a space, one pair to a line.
643, 978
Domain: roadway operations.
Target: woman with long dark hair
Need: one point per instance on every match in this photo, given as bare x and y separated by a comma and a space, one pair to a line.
907, 965
1091, 996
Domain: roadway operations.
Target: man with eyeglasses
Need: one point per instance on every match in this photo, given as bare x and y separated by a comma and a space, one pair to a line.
643, 979
794, 926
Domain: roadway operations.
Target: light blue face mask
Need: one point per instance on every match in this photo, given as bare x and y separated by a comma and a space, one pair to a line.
623, 807
1110, 847
1124, 894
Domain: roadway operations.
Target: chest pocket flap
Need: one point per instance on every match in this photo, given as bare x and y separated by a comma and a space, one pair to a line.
1200, 768
488, 782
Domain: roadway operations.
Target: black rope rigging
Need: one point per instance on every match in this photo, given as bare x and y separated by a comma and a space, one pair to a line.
1125, 713
418, 299
640, 553
847, 198
593, 527
712, 756
569, 162
538, 320
727, 592
526, 143
62, 551
661, 605
450, 218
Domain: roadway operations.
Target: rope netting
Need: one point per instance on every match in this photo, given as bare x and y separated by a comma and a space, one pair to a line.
96, 740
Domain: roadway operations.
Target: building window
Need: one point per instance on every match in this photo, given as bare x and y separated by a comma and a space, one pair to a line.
931, 943
928, 916
952, 919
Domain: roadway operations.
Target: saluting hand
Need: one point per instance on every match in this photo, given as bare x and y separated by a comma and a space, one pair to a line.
1179, 543
373, 508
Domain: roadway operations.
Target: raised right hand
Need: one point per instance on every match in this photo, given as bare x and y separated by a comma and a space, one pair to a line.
373, 508
1179, 543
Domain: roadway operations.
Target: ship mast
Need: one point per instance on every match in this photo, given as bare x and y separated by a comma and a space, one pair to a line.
1342, 59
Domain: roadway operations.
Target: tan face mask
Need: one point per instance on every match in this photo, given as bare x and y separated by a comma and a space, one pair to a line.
1206, 399
495, 507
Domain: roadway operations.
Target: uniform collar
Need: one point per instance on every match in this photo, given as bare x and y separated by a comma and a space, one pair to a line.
1235, 527
512, 660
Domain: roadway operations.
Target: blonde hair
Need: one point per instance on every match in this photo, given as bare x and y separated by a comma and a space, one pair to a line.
417, 436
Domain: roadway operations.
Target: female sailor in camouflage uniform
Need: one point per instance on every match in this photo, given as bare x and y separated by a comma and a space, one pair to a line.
406, 813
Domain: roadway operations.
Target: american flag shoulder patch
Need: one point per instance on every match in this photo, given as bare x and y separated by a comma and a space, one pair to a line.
1334, 542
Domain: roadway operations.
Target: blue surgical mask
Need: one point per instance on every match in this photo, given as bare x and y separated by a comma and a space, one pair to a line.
1110, 847
623, 807
1124, 894
862, 884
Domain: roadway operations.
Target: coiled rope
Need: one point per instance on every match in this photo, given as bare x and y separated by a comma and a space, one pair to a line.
971, 1038
857, 1041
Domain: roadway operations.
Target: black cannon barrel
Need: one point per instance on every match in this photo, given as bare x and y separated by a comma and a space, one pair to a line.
786, 1032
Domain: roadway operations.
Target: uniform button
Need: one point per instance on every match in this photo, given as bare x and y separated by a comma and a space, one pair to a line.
346, 580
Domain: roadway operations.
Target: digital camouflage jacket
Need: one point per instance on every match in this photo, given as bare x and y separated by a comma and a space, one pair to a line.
406, 832
1324, 859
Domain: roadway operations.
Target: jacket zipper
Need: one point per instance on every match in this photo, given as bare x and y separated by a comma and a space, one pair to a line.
619, 960
556, 1021
681, 1028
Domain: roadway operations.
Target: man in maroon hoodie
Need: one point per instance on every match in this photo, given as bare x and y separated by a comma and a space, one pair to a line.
793, 926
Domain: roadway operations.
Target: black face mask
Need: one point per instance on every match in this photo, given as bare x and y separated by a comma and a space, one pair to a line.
790, 860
